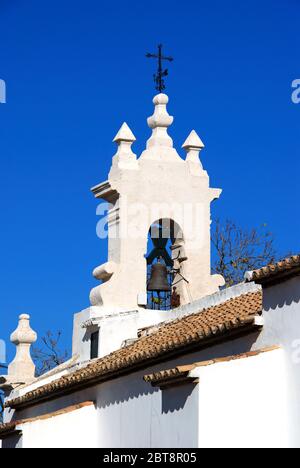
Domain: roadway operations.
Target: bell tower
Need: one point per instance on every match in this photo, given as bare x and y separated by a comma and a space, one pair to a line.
162, 189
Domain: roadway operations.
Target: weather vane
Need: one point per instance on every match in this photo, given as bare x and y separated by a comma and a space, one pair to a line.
161, 73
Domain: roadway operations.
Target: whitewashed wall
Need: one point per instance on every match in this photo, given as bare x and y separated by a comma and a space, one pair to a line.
75, 429
243, 403
282, 326
251, 402
129, 413
237, 403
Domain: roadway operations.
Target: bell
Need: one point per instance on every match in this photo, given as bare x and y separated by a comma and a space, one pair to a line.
159, 278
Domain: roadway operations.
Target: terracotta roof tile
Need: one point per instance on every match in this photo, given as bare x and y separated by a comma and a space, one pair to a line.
176, 337
8, 428
276, 272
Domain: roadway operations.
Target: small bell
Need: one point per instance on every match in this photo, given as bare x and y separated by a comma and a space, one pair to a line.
159, 279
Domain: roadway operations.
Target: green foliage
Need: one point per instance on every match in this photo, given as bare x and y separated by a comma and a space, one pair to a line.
156, 300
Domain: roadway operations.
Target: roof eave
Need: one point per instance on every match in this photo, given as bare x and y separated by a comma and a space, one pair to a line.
9, 430
246, 327
276, 273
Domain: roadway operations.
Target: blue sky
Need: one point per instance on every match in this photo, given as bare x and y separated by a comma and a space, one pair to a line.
76, 70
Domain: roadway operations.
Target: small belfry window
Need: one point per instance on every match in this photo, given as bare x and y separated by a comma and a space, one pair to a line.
164, 265
94, 344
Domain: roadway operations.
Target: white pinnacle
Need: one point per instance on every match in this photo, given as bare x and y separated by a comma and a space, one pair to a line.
124, 134
159, 122
22, 368
193, 145
160, 145
193, 141
124, 158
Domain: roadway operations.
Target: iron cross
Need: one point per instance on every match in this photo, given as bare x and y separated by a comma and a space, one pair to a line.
161, 73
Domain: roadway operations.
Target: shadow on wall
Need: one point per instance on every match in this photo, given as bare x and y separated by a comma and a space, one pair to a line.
169, 399
132, 386
88, 333
282, 294
14, 441
123, 390
175, 400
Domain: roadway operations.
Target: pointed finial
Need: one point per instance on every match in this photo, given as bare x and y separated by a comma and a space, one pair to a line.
124, 139
160, 121
193, 145
193, 141
124, 134
22, 369
125, 157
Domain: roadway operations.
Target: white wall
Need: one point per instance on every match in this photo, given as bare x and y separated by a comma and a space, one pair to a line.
133, 392
135, 415
76, 429
240, 403
128, 413
229, 348
252, 402
282, 326
243, 403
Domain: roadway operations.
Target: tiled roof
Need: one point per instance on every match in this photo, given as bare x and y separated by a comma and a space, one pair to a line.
8, 428
275, 272
177, 337
166, 378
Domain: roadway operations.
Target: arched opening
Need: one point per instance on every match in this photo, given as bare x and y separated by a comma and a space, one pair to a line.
164, 257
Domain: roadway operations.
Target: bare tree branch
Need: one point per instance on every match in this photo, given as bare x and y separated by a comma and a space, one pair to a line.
49, 355
236, 250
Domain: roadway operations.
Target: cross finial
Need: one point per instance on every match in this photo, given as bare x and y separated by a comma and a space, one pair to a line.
161, 73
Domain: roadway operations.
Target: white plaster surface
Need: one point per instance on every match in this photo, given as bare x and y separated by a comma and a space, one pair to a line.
239, 403
282, 326
243, 403
77, 429
251, 402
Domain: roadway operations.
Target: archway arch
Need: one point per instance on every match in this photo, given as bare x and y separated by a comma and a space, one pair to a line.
164, 254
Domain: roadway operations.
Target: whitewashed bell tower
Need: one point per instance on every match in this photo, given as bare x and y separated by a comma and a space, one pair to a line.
159, 185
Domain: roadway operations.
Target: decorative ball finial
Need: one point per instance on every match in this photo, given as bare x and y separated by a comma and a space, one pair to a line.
23, 334
159, 122
22, 369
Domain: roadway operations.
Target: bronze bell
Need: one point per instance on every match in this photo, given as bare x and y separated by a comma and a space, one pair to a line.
159, 279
